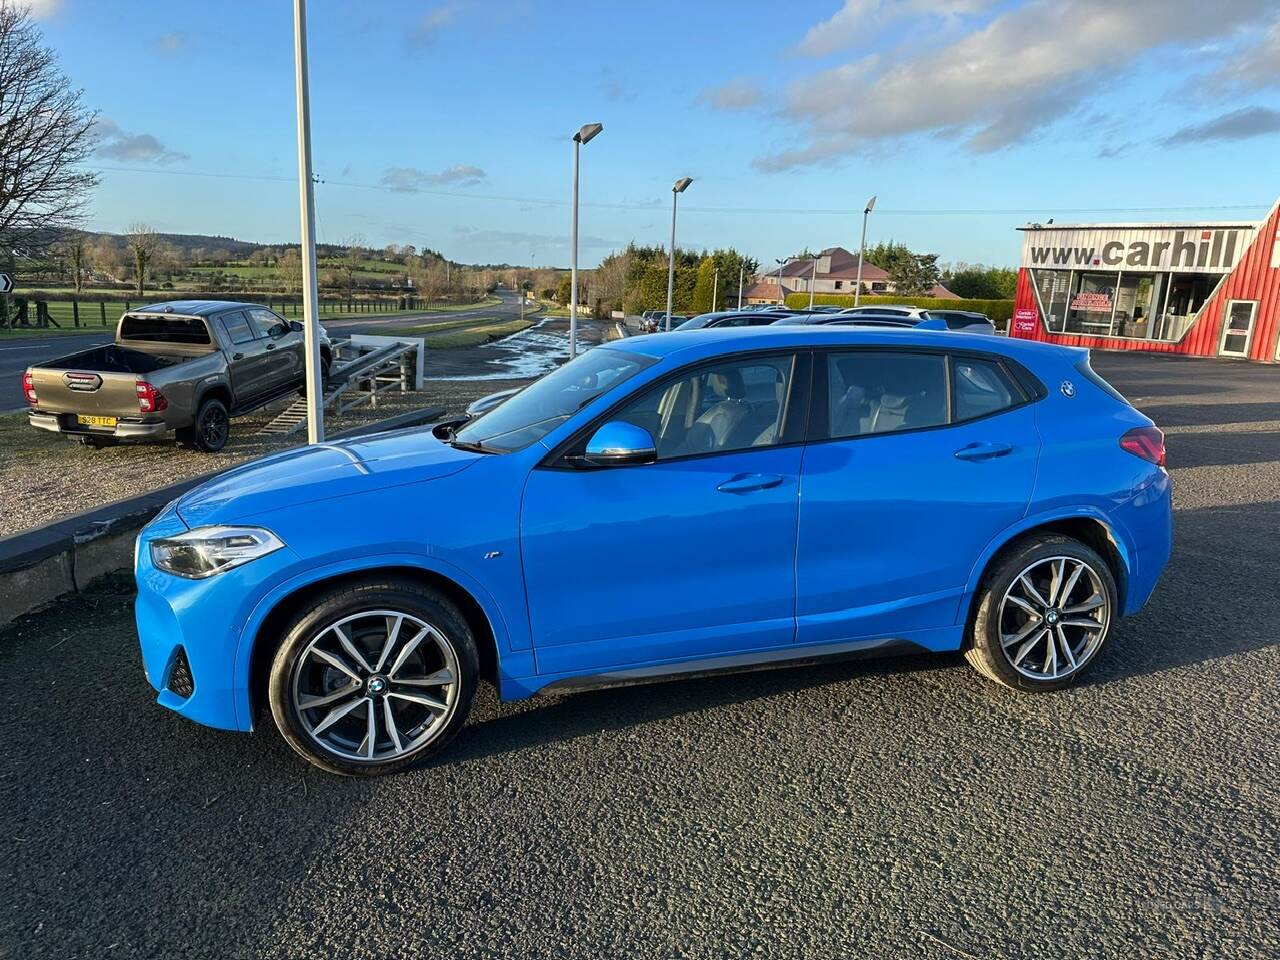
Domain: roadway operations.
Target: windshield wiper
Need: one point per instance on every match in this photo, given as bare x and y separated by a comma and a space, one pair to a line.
470, 445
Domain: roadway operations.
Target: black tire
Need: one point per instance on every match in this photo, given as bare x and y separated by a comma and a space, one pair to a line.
291, 664
325, 365
994, 618
211, 429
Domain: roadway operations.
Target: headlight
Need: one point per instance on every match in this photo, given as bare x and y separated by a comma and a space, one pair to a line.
205, 551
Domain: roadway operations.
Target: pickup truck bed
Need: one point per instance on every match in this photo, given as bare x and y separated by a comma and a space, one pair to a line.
112, 358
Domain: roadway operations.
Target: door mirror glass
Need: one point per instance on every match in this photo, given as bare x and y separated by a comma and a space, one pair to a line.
618, 444
277, 330
295, 326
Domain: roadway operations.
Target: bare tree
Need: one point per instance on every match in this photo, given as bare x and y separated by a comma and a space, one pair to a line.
75, 251
290, 265
46, 135
350, 262
144, 244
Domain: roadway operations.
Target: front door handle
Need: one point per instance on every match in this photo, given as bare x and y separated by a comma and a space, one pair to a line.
746, 482
271, 346
983, 451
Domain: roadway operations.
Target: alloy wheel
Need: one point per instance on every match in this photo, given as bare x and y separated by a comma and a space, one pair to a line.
375, 686
1053, 618
214, 427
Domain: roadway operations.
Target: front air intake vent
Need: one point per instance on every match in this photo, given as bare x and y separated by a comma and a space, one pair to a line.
180, 680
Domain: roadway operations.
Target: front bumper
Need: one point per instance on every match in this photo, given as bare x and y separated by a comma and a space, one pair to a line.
123, 430
189, 630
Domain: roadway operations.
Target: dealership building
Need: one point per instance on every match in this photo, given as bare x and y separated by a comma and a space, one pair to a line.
1199, 289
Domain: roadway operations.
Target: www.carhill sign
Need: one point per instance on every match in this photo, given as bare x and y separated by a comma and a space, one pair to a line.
1181, 249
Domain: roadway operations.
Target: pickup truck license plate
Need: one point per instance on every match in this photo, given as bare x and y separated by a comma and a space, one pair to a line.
88, 421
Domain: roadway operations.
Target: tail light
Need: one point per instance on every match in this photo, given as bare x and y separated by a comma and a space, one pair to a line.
29, 388
150, 400
1145, 442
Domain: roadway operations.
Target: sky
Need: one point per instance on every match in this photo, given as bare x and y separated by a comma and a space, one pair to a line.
448, 125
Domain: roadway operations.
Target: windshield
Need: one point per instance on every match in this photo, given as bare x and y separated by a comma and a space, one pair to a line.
545, 404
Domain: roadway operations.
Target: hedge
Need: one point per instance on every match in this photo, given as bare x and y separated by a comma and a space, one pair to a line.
998, 310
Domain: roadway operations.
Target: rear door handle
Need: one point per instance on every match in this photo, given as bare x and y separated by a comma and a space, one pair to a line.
983, 451
237, 356
746, 482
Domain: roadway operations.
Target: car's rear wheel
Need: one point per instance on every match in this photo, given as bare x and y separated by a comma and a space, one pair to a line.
1044, 612
373, 677
211, 429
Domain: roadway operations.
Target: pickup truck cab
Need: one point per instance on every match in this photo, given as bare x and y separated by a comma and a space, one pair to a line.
187, 366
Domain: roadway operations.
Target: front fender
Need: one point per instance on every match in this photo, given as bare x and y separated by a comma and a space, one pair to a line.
516, 662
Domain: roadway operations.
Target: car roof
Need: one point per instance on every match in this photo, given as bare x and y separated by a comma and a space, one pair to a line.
714, 341
194, 308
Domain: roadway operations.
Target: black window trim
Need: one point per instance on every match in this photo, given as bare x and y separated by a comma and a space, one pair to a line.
798, 408
819, 386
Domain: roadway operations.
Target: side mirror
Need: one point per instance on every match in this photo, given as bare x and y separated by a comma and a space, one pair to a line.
277, 330
295, 326
618, 444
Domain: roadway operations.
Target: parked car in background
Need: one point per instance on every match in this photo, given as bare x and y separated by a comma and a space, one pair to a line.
893, 315
791, 492
731, 318
968, 320
657, 324
187, 367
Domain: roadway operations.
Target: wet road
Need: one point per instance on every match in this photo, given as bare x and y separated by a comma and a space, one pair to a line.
902, 807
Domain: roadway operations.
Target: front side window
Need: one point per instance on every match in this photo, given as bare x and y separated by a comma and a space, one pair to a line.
871, 391
265, 320
545, 404
730, 406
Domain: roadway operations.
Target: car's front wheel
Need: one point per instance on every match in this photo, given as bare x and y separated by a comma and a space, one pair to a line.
373, 676
1044, 612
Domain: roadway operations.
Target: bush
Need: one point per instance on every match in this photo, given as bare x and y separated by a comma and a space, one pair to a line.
1000, 311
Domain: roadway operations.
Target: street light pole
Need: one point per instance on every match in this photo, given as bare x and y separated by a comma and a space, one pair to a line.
584, 135
813, 279
679, 187
741, 268
307, 199
715, 289
782, 297
862, 250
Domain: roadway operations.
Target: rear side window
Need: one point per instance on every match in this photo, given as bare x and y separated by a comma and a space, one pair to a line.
881, 392
238, 328
981, 387
164, 329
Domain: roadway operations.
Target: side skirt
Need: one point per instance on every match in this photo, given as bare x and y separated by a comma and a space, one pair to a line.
737, 663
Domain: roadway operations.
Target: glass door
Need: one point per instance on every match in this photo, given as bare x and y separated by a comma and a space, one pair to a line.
1237, 331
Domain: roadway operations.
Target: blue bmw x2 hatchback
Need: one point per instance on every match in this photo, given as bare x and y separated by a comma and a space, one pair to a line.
663, 505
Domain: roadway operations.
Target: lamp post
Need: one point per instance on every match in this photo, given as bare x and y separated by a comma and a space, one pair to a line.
862, 250
813, 279
584, 135
679, 187
741, 268
307, 199
715, 289
782, 299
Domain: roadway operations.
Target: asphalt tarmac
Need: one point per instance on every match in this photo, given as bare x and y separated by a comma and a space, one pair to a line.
902, 807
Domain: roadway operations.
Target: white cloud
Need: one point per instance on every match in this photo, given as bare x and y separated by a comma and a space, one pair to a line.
1236, 125
1254, 67
734, 95
117, 144
1025, 69
431, 23
411, 179
859, 21
43, 9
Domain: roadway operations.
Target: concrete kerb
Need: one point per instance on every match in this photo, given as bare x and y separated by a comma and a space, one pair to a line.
38, 566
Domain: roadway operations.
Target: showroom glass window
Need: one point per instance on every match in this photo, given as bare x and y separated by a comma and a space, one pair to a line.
1132, 305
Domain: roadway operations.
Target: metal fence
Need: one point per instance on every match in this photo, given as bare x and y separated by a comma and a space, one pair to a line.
98, 312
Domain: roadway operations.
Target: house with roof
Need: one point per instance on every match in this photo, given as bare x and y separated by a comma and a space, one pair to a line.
834, 270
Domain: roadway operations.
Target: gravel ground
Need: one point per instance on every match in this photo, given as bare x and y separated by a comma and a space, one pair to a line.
45, 476
900, 807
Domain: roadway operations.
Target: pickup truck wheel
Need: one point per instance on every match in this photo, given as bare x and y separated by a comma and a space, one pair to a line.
210, 431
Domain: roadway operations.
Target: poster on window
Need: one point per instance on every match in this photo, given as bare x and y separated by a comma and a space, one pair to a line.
1092, 302
1024, 320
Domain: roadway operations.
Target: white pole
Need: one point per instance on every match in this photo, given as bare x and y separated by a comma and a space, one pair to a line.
862, 250
671, 259
741, 268
715, 289
306, 191
782, 297
573, 260
813, 279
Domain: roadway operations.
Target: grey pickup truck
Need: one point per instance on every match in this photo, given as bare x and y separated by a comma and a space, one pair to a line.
187, 366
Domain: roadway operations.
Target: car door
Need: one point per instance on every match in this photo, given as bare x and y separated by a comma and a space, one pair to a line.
248, 362
686, 558
927, 457
282, 346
